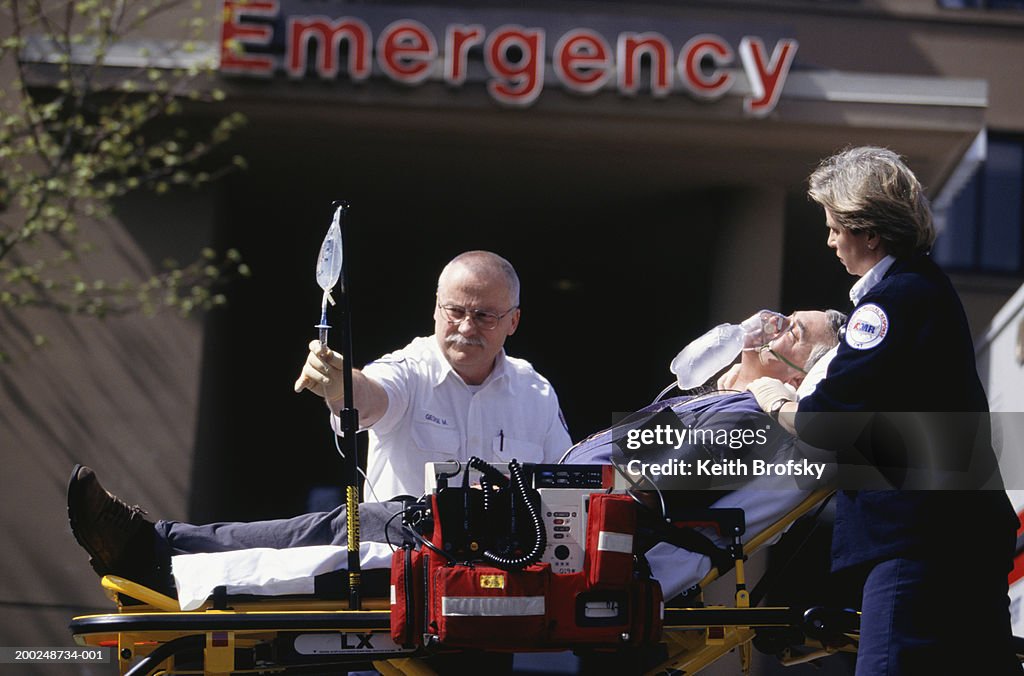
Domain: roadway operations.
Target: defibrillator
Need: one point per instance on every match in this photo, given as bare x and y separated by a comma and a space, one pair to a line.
539, 555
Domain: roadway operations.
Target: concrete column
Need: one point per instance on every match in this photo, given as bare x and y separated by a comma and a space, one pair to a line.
748, 254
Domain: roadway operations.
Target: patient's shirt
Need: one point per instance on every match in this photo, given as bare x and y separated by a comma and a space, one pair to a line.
764, 499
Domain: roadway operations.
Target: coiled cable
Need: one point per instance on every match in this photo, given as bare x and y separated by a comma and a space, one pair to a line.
519, 491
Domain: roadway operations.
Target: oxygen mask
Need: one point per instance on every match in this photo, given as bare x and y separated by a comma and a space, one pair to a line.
761, 328
719, 347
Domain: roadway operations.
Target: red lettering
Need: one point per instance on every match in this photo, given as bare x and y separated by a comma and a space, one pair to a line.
766, 76
328, 35
706, 85
513, 56
457, 43
234, 35
406, 51
518, 82
582, 60
631, 48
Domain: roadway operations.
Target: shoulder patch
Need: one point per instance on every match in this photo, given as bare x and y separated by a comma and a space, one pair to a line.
867, 327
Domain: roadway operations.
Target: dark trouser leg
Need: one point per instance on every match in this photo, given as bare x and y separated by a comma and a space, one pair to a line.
319, 528
925, 616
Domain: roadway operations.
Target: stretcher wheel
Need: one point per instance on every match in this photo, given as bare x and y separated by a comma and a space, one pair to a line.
828, 625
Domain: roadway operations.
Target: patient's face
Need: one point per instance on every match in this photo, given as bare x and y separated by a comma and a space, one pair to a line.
807, 329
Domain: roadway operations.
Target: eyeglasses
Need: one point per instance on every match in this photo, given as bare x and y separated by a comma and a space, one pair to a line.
456, 314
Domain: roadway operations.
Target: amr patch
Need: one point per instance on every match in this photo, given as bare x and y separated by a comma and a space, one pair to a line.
867, 327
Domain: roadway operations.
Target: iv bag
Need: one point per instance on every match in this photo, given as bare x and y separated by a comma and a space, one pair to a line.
328, 265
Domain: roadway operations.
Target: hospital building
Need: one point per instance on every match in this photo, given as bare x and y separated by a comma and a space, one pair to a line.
642, 164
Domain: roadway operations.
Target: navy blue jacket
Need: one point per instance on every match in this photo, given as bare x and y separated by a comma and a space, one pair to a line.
915, 355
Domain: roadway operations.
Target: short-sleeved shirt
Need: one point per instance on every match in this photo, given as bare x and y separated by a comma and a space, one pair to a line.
433, 415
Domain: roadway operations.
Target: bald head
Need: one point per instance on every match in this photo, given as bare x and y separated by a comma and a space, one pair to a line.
483, 265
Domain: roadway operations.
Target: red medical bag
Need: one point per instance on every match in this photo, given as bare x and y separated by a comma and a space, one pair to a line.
477, 605
474, 606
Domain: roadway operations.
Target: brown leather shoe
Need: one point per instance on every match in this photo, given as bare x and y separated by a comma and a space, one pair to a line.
103, 524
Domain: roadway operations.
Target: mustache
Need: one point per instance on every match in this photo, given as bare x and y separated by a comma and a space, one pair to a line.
463, 341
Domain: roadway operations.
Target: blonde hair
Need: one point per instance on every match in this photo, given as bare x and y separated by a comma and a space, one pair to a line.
871, 189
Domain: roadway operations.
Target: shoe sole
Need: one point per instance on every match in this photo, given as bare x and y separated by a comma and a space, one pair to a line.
72, 497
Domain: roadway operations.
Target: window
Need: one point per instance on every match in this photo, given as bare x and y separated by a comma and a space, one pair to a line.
981, 4
985, 222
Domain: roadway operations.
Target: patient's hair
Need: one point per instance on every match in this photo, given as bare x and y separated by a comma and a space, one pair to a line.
836, 320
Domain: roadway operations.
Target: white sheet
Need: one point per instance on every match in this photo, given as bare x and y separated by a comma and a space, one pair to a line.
266, 572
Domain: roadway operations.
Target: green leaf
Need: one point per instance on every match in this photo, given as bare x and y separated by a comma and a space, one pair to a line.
69, 152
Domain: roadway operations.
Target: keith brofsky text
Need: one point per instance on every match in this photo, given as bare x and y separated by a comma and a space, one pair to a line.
715, 465
726, 468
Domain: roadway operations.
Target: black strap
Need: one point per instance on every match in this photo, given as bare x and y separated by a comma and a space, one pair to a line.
689, 539
410, 599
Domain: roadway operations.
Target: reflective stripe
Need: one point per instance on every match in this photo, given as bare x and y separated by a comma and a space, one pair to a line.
492, 606
608, 541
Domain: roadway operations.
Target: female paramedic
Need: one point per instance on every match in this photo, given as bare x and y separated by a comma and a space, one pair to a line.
932, 563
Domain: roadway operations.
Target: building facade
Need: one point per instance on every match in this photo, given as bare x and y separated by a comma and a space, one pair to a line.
642, 164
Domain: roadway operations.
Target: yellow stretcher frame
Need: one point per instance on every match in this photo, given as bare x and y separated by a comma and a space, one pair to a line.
152, 633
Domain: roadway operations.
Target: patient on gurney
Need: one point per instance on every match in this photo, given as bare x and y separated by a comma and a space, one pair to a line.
122, 541
798, 357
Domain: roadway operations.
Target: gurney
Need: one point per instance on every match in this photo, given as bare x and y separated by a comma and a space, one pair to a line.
314, 635
150, 634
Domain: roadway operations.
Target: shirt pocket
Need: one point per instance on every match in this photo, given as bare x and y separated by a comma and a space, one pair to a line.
435, 440
520, 449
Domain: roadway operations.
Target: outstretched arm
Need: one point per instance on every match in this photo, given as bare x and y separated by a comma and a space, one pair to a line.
322, 375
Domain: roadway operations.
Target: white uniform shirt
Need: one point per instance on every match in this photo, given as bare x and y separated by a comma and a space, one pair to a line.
434, 415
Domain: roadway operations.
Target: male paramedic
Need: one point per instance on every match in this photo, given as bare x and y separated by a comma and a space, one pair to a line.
451, 395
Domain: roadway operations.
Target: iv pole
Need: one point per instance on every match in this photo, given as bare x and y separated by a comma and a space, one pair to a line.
348, 416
